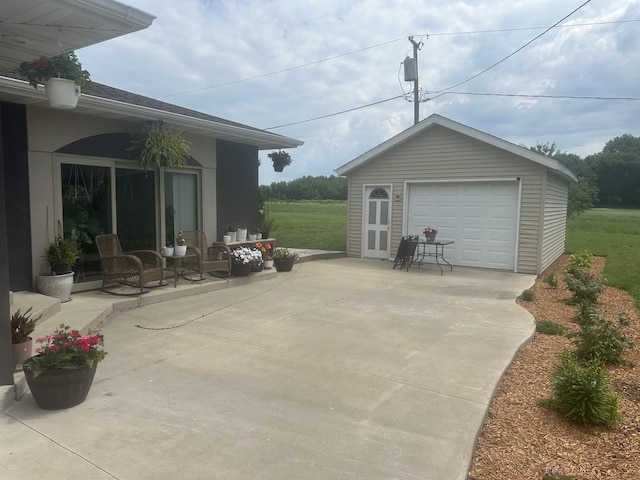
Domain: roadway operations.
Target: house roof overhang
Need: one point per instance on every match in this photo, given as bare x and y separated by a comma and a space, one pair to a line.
31, 28
437, 120
18, 91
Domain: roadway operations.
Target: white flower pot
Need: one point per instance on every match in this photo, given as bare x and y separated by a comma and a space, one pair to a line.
56, 286
62, 93
180, 250
241, 235
226, 238
252, 237
232, 236
268, 264
167, 251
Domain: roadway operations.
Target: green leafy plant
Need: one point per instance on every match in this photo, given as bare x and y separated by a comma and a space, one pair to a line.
527, 295
280, 160
584, 286
583, 393
22, 325
285, 253
62, 251
547, 327
65, 65
586, 314
601, 339
160, 146
580, 260
66, 349
551, 280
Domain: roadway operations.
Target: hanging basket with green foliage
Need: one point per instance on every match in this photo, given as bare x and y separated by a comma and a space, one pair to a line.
280, 160
160, 146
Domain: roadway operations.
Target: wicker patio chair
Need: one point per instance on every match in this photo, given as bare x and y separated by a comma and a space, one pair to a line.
406, 252
134, 269
216, 258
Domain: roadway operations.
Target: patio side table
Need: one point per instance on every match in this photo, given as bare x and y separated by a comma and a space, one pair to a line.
180, 262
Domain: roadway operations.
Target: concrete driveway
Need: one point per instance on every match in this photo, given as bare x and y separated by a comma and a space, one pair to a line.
341, 369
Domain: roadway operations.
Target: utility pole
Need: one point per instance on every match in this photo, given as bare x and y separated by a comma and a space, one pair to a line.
416, 102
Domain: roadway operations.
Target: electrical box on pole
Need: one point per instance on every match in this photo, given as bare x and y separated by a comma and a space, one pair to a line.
410, 70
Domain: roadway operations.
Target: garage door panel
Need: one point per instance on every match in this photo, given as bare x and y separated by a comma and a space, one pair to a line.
480, 217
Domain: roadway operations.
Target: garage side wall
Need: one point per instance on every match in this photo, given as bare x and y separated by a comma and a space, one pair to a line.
441, 154
555, 220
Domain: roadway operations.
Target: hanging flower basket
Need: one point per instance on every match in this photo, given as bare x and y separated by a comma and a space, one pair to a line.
62, 93
280, 160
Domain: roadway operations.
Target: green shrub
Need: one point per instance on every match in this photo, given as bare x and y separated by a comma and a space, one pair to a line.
586, 314
584, 286
601, 339
527, 295
583, 394
548, 327
580, 261
551, 280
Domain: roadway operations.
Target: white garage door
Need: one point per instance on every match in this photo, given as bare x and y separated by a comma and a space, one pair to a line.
481, 217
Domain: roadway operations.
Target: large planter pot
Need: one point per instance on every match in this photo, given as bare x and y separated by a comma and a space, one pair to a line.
21, 351
62, 93
58, 389
284, 264
240, 270
241, 235
56, 286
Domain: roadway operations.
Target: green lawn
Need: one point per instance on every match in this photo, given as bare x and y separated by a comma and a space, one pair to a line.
307, 224
615, 234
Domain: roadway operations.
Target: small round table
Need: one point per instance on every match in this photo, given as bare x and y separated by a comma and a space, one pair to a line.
178, 262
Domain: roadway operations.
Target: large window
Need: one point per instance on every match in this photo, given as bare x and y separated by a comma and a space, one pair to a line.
181, 203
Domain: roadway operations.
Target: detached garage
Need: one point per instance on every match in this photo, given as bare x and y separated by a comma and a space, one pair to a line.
503, 205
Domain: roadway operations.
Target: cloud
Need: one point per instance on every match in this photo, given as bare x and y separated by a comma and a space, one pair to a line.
193, 46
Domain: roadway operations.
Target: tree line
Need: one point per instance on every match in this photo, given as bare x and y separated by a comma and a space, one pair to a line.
609, 178
307, 188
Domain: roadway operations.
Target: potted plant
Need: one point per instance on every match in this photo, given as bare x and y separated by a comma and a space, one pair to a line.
283, 259
22, 326
60, 254
430, 233
280, 160
267, 254
181, 245
232, 232
265, 225
242, 259
62, 76
61, 373
159, 146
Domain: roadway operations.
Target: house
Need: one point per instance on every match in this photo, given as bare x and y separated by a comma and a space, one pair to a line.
503, 205
63, 170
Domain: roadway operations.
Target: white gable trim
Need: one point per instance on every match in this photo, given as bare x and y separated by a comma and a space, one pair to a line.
434, 120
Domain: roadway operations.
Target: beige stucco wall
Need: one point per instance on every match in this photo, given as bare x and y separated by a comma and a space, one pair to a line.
442, 154
50, 130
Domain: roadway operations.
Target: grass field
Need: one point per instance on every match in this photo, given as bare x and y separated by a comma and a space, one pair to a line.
613, 233
318, 225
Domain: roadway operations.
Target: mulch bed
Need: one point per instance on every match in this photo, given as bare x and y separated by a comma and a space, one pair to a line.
522, 440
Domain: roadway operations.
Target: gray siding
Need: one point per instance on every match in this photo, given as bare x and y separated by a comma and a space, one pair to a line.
555, 220
439, 153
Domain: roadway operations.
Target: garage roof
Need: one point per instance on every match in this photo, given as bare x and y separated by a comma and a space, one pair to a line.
437, 120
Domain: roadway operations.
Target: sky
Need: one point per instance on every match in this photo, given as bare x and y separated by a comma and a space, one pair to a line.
268, 63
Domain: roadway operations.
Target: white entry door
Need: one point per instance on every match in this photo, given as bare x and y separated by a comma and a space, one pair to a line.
377, 219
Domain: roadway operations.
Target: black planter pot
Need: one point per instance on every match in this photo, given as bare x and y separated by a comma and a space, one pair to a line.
241, 270
59, 389
284, 264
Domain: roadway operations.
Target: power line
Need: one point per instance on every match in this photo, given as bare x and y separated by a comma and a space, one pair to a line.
522, 95
513, 53
336, 113
473, 32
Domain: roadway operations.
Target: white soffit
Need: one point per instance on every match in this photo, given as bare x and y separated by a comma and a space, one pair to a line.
31, 28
